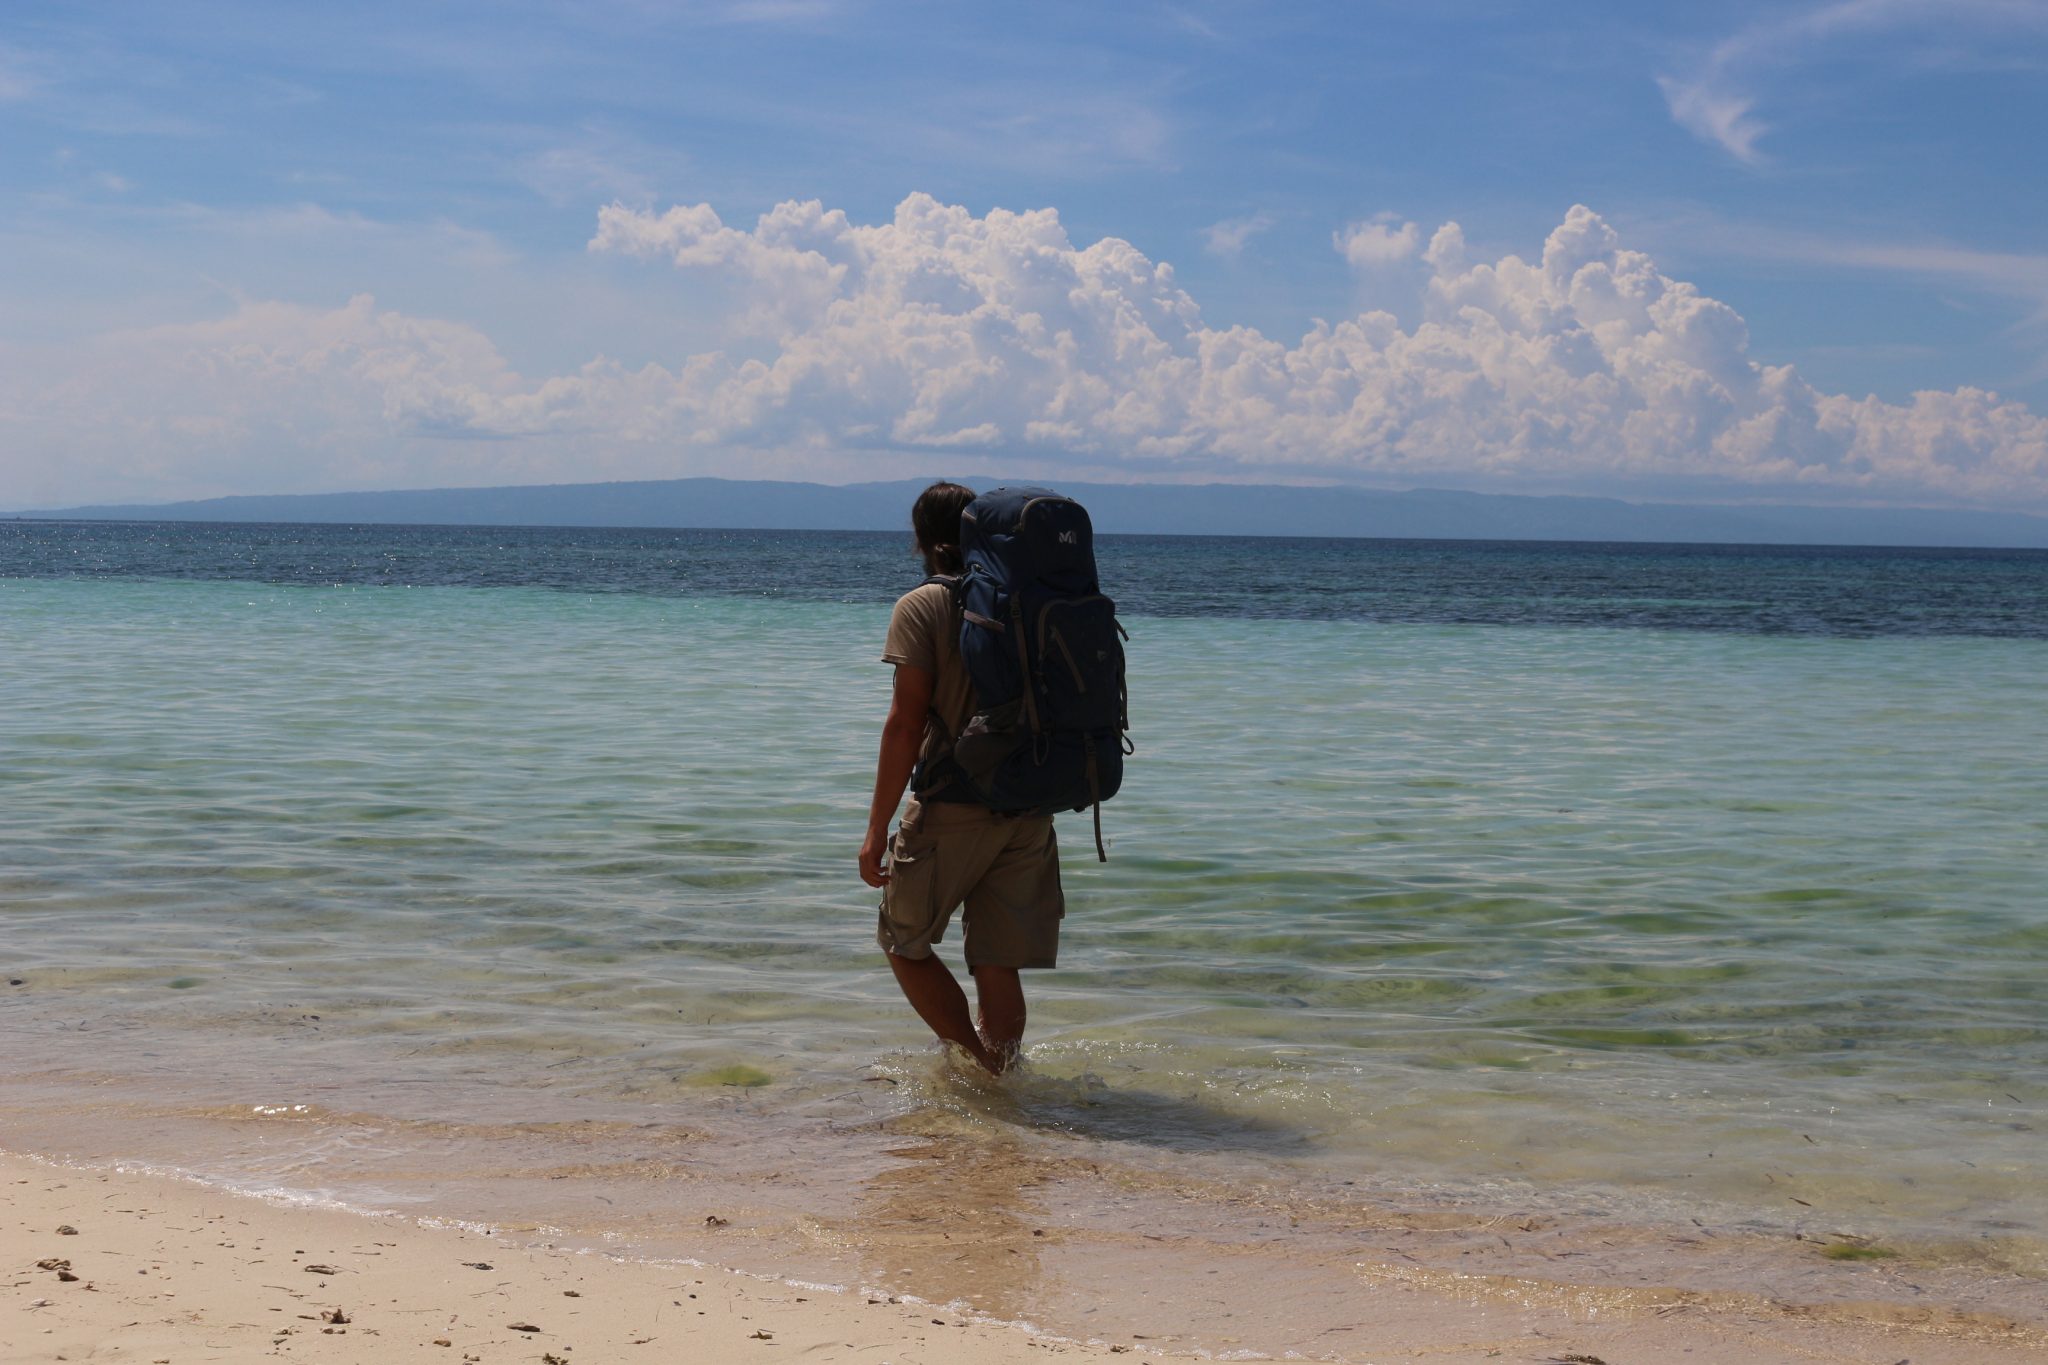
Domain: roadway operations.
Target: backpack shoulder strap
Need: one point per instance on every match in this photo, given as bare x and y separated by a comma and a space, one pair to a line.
956, 584
926, 780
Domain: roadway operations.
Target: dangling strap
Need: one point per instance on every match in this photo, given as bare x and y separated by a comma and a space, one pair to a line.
1095, 796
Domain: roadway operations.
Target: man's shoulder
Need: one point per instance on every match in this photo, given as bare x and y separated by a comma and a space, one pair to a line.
926, 599
918, 626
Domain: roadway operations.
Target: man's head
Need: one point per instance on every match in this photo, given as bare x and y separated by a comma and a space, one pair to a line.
935, 521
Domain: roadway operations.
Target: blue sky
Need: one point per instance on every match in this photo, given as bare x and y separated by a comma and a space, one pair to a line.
286, 248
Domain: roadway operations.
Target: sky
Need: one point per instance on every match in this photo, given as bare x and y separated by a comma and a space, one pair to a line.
1716, 252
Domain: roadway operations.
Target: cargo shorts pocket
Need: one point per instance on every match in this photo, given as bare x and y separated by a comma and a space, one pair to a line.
911, 919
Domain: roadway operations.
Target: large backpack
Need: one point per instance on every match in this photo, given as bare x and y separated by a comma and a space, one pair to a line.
1044, 650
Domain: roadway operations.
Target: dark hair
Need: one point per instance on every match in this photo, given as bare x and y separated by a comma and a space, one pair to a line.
935, 521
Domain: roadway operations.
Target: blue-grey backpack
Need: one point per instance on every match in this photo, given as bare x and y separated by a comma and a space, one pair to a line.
1043, 648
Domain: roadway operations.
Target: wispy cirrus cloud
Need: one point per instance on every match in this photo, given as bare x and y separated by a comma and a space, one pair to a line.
2020, 273
1718, 96
1708, 108
780, 11
16, 80
1049, 128
2016, 280
79, 96
567, 166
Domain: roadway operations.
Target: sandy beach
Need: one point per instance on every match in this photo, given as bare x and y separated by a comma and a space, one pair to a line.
109, 1265
156, 1269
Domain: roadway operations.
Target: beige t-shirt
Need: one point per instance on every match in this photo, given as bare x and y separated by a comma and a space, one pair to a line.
924, 632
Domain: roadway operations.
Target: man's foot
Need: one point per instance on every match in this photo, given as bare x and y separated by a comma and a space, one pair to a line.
998, 1054
983, 1060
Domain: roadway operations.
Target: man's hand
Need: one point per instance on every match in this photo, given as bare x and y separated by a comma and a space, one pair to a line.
910, 703
871, 850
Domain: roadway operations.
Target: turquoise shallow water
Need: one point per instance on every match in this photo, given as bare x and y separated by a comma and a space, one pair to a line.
1674, 924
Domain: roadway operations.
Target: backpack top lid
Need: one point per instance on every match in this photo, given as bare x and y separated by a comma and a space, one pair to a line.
1027, 534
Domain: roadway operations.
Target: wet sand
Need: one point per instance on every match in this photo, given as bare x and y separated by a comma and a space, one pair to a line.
160, 1269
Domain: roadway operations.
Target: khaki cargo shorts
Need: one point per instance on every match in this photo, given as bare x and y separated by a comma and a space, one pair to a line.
1004, 868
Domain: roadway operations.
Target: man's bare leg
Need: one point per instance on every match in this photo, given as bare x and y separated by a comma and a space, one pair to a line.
1000, 995
931, 990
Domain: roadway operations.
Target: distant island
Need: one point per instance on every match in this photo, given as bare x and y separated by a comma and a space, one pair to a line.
1138, 509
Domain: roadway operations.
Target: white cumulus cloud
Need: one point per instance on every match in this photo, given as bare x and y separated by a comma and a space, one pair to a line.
1378, 242
996, 337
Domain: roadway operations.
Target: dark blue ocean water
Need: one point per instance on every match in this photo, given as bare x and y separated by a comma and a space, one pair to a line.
1822, 591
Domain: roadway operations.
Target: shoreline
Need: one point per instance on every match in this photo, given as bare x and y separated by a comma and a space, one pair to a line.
171, 1268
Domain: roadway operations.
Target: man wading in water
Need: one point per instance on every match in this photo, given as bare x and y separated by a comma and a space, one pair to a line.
1004, 867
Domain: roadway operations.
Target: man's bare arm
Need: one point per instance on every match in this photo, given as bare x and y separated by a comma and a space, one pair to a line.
902, 736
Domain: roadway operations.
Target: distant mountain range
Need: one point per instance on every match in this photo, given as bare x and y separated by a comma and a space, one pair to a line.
1162, 509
